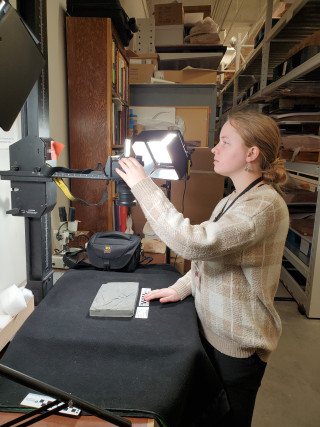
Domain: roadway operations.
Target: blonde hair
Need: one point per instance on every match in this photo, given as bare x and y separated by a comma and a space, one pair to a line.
261, 131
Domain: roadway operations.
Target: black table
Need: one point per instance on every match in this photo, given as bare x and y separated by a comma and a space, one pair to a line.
153, 367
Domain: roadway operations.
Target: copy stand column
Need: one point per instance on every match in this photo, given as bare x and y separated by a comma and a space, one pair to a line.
167, 186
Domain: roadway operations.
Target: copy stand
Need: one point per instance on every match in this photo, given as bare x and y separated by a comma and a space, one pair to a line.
167, 186
61, 397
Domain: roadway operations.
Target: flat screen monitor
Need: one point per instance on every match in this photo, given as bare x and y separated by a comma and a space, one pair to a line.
21, 63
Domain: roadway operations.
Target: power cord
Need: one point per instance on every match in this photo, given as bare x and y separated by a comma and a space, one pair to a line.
58, 235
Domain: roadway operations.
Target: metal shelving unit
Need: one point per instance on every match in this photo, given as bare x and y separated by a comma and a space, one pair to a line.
306, 294
300, 274
287, 32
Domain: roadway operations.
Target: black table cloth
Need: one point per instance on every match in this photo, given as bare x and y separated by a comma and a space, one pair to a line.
153, 367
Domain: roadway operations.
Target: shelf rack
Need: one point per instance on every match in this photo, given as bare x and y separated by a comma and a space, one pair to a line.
307, 295
299, 273
287, 32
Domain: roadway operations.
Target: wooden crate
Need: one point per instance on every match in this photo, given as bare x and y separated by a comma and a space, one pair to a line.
303, 156
303, 226
310, 142
12, 328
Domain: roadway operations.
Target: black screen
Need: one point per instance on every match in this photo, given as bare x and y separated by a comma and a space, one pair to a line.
21, 63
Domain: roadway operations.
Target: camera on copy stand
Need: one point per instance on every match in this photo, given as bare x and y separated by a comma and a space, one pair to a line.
162, 154
125, 197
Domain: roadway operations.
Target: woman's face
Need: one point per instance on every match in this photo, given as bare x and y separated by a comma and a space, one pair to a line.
230, 153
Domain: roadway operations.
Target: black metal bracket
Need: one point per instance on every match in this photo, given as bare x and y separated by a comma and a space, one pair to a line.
167, 186
60, 396
38, 414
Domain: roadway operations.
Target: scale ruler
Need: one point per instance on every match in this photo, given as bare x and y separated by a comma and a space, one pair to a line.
142, 311
92, 175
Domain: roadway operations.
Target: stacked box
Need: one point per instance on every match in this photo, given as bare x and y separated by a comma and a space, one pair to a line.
142, 67
169, 14
166, 35
189, 76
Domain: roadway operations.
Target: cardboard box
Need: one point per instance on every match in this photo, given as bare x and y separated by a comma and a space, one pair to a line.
196, 125
156, 258
167, 35
153, 246
143, 58
203, 11
140, 73
202, 160
204, 190
169, 14
12, 328
303, 226
188, 76
179, 263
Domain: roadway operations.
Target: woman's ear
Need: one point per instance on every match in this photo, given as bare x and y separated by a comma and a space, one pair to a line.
253, 154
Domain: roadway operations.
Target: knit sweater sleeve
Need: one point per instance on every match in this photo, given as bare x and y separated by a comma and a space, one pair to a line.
183, 286
204, 241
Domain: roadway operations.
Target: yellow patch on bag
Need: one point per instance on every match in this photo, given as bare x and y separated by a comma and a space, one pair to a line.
107, 249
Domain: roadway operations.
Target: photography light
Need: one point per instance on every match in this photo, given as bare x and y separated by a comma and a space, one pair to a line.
163, 153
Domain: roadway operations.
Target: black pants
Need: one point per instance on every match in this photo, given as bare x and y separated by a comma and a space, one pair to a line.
241, 379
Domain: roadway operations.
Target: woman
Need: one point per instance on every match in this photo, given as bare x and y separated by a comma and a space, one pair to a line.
236, 255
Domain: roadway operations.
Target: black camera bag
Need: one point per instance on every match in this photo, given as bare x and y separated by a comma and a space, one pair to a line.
114, 250
109, 250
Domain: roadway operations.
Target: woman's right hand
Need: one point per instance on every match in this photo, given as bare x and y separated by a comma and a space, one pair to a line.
164, 295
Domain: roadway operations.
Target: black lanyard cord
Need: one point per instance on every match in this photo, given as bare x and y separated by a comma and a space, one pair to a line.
224, 209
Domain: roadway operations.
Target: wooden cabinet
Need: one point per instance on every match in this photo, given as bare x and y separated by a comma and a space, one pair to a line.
97, 96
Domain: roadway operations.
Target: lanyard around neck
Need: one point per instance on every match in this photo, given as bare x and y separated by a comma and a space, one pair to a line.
223, 210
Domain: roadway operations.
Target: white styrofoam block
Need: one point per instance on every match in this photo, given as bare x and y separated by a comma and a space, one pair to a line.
28, 295
5, 319
12, 300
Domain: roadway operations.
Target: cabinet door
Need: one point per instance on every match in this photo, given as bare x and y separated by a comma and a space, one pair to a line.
97, 73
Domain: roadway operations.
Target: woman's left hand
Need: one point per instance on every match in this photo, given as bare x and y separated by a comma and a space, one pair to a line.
132, 171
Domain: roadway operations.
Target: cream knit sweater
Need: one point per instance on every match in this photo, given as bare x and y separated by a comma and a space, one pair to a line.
235, 267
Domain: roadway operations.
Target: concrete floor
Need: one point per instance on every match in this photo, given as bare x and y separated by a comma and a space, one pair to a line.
290, 392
